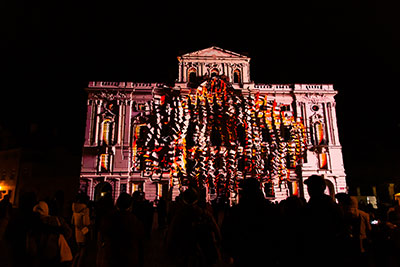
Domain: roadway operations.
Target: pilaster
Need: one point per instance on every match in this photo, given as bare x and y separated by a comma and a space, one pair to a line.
97, 122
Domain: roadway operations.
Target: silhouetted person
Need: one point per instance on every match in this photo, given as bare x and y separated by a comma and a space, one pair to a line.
5, 214
358, 228
103, 207
193, 237
292, 234
324, 225
81, 222
42, 240
393, 230
56, 204
121, 236
18, 226
220, 209
143, 210
162, 213
249, 231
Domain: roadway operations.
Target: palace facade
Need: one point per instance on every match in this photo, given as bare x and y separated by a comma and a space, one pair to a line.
116, 112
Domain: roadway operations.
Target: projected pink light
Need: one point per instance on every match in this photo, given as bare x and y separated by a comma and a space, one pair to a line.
216, 136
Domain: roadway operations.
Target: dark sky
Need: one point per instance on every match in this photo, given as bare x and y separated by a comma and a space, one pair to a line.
53, 48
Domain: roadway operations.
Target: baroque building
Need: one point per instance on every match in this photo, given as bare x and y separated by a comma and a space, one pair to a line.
118, 130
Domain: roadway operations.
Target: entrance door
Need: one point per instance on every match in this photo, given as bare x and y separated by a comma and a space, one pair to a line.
101, 190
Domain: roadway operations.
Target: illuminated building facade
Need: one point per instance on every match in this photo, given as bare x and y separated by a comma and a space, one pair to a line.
125, 119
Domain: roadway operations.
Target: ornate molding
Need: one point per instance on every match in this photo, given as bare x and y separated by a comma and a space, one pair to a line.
236, 65
109, 96
191, 64
313, 98
211, 66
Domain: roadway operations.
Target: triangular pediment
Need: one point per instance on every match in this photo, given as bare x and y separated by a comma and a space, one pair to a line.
213, 52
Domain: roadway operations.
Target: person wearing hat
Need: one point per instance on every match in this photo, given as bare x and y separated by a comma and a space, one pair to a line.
324, 223
315, 186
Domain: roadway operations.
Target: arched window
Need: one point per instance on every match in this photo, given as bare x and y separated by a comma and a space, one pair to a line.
236, 76
104, 162
192, 74
214, 72
323, 161
106, 131
319, 133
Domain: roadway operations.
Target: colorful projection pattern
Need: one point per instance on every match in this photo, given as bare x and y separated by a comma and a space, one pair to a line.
216, 136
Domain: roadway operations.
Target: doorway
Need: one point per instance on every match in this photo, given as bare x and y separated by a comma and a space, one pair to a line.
101, 190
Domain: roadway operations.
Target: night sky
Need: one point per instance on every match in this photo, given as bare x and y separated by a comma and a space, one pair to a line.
51, 49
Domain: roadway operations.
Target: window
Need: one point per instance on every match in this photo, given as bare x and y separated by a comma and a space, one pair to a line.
323, 162
192, 74
319, 134
106, 131
162, 190
159, 190
123, 188
315, 108
104, 162
137, 186
236, 76
214, 72
141, 106
269, 189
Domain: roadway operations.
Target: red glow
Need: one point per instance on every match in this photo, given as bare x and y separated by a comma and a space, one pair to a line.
208, 146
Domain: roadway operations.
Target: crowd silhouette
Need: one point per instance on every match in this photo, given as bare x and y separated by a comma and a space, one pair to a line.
190, 232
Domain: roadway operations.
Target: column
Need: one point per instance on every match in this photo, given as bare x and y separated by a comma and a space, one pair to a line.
201, 69
120, 121
334, 125
97, 123
306, 121
229, 73
89, 123
184, 72
245, 72
327, 123
299, 110
180, 71
127, 122
330, 123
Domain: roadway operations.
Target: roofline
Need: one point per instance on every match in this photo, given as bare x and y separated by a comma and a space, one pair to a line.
187, 55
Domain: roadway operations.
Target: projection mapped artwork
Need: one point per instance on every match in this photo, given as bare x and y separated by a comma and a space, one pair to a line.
212, 128
215, 136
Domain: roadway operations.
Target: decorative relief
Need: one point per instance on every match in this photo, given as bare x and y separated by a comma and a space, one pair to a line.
190, 64
110, 96
236, 65
211, 66
316, 118
313, 98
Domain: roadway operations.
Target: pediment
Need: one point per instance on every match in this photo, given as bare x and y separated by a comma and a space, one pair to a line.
213, 52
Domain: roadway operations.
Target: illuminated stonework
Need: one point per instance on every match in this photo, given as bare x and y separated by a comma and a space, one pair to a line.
136, 133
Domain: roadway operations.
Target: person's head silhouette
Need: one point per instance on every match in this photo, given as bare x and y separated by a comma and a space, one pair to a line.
190, 196
315, 185
250, 190
124, 201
